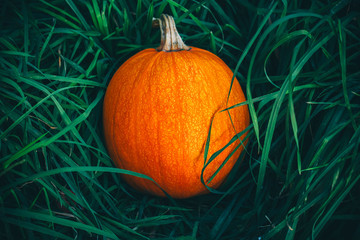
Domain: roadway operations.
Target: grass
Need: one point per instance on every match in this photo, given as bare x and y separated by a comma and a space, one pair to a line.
298, 64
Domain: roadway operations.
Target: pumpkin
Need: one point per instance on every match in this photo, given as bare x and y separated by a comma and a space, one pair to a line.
157, 113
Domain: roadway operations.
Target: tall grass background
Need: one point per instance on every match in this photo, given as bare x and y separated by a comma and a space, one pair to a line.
299, 66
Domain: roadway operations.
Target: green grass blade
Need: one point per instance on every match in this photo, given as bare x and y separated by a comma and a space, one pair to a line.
276, 108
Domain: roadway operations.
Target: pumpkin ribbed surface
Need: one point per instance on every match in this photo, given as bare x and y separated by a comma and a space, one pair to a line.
157, 113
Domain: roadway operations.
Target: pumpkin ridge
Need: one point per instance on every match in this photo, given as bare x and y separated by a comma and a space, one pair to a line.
147, 66
159, 177
179, 97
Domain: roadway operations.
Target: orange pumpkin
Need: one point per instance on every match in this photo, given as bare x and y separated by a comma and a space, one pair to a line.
157, 113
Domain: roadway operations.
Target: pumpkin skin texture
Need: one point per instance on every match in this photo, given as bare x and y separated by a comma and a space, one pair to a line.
157, 112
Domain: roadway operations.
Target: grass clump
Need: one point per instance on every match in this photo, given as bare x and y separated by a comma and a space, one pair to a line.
297, 62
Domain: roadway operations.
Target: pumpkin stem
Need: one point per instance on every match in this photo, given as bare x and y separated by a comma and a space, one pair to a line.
170, 38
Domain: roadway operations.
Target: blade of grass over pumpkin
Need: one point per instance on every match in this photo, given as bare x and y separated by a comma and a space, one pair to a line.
217, 153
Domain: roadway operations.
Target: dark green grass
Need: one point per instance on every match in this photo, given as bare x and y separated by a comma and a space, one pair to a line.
297, 61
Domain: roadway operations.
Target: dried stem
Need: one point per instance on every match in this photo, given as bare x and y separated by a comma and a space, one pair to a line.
170, 38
